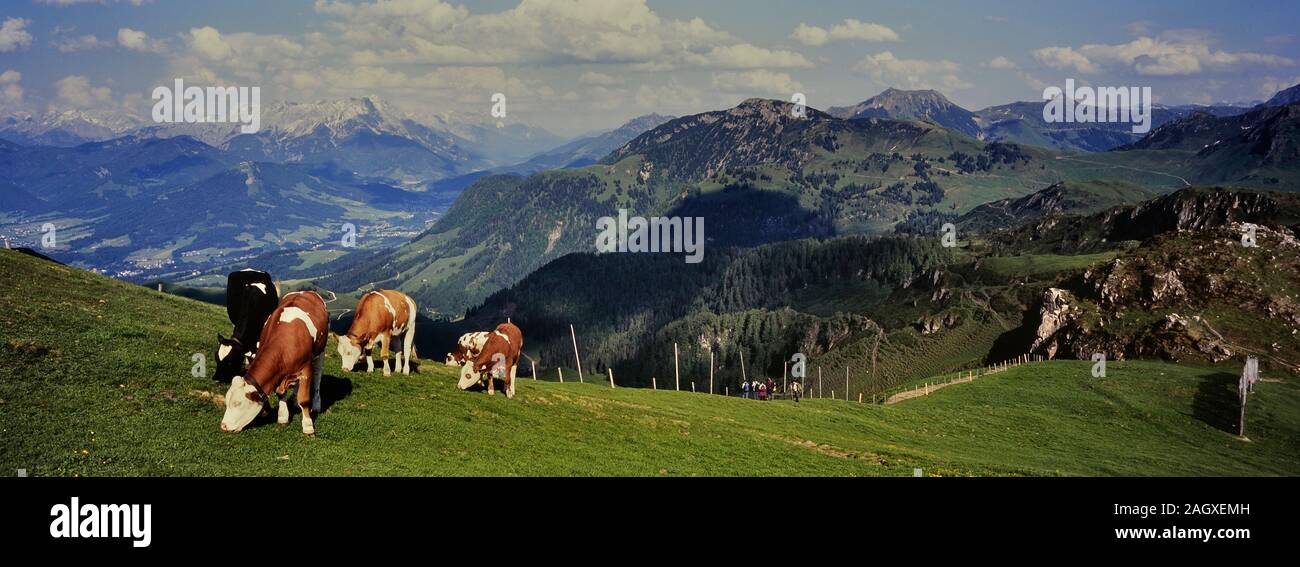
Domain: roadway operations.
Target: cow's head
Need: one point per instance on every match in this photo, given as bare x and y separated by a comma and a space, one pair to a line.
457, 357
242, 405
230, 359
468, 377
349, 351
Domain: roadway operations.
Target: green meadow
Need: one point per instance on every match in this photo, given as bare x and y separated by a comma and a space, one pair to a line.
97, 381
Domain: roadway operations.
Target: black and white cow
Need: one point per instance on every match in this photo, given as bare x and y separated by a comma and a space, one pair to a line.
250, 298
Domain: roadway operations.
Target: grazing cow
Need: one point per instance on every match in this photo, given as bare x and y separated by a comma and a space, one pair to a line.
499, 357
467, 349
250, 299
380, 316
291, 355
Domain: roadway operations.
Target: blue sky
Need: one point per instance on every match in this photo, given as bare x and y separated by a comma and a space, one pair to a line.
581, 65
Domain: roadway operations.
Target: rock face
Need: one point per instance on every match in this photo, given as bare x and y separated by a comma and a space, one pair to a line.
1053, 315
1156, 301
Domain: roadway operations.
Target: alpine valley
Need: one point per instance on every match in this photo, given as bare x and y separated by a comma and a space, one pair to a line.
822, 229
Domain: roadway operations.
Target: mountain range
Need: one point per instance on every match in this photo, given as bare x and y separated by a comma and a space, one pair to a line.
913, 105
760, 172
587, 150
364, 135
755, 165
1018, 122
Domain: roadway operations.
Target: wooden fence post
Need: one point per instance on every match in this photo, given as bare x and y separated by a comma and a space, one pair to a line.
710, 371
654, 383
846, 383
610, 371
677, 368
533, 364
785, 371
692, 386
561, 370
820, 391
743, 377
576, 358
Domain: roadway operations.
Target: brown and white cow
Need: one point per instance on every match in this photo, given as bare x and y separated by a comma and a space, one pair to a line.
467, 349
499, 357
291, 350
380, 316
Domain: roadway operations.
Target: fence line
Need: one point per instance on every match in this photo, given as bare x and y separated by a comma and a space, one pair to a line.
884, 398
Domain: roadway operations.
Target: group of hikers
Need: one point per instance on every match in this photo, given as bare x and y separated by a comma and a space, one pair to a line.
767, 389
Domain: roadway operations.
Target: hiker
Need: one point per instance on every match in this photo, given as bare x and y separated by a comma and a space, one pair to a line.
744, 389
762, 392
796, 390
771, 388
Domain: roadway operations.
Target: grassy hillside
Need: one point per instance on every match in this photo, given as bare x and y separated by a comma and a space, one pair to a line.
97, 382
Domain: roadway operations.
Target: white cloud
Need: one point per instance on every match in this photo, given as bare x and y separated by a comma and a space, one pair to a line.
135, 40
14, 35
848, 30
77, 91
208, 43
757, 82
11, 89
433, 32
886, 68
80, 43
1177, 52
1001, 62
1064, 58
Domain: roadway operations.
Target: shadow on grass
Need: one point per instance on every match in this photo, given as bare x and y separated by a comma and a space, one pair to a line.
332, 390
1216, 402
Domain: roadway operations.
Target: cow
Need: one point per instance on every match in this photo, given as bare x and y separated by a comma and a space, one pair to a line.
291, 355
467, 348
250, 298
499, 358
380, 316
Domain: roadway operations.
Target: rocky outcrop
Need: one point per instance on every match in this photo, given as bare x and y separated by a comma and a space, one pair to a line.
1053, 315
1150, 302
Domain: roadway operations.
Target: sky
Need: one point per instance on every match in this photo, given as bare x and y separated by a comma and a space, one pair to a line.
576, 66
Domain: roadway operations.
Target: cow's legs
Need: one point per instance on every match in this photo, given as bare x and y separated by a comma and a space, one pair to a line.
408, 346
282, 415
304, 401
510, 382
408, 338
492, 381
383, 350
370, 362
